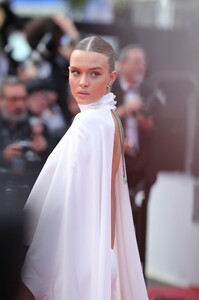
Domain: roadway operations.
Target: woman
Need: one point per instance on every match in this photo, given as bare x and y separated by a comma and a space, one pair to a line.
81, 235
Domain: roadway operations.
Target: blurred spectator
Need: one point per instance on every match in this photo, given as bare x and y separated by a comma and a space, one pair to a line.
138, 103
70, 35
11, 217
51, 41
22, 151
9, 23
11, 250
43, 109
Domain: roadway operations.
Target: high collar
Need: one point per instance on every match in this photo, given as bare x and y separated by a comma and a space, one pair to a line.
106, 101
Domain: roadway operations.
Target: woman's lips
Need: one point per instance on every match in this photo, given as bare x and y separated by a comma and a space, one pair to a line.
82, 93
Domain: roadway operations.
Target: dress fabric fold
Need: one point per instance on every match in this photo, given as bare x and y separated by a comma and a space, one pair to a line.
69, 218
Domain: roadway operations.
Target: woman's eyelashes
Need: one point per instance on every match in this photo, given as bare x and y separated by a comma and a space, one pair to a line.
94, 74
75, 72
91, 74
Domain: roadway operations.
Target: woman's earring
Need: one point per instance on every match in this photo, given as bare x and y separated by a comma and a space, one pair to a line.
109, 86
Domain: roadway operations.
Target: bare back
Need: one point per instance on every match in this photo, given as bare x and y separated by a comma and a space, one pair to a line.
115, 166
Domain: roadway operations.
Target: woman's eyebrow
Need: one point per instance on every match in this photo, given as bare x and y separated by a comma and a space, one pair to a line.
94, 68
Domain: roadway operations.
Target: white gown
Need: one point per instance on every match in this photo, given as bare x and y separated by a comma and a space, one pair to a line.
69, 218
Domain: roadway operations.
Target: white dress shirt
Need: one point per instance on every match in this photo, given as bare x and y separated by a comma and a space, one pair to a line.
131, 124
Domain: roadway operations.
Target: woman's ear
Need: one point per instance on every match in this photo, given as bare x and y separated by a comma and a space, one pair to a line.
113, 76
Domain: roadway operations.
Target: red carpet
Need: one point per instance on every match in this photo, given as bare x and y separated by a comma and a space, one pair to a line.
172, 293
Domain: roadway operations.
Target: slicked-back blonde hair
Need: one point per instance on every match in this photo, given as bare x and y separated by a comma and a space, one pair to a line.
99, 45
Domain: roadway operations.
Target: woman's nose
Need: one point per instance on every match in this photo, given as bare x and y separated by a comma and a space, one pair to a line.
84, 81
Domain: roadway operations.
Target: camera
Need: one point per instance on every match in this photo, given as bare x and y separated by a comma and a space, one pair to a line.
26, 145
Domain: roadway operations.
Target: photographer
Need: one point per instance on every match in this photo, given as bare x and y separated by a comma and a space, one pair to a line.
10, 24
22, 153
139, 101
44, 113
49, 59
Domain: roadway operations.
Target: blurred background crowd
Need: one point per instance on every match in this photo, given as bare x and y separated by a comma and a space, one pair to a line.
36, 106
157, 100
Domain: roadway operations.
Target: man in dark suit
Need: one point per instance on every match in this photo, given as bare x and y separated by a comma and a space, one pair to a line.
137, 109
138, 104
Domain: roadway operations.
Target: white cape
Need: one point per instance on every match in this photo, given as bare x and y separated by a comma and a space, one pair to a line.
69, 217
